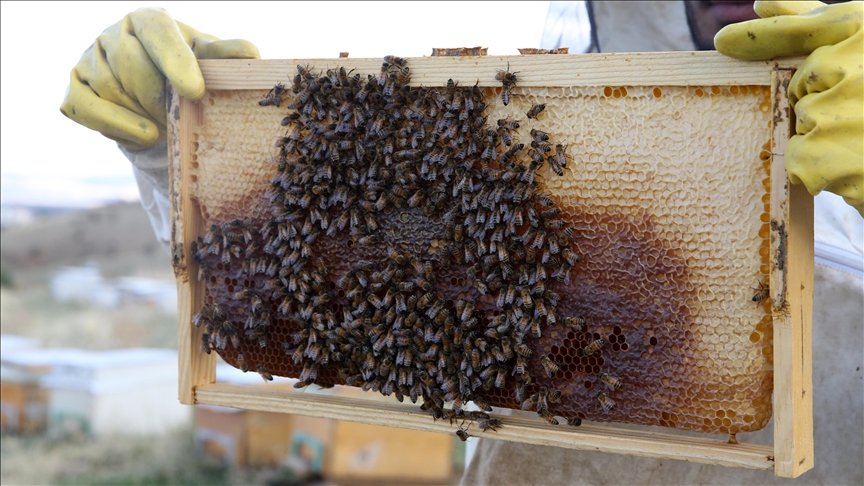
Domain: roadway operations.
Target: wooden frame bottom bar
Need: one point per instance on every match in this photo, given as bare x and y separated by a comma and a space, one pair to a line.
587, 437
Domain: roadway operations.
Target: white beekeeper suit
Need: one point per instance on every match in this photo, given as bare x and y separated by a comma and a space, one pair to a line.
838, 316
838, 327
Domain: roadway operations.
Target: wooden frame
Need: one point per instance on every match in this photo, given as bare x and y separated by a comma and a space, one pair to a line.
791, 260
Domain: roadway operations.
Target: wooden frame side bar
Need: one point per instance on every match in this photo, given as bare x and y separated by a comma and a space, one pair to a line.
531, 431
195, 367
791, 289
615, 69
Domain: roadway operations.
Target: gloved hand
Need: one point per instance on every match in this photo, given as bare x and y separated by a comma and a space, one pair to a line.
118, 86
826, 91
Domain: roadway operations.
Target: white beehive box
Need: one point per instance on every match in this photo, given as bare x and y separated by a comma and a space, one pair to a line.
10, 343
117, 391
23, 400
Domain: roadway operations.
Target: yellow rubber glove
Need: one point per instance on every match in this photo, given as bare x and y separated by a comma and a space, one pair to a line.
118, 86
826, 91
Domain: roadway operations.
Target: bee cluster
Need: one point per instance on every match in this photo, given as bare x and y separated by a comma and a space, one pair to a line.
356, 153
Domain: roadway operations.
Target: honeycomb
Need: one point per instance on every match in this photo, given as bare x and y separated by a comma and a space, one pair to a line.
666, 191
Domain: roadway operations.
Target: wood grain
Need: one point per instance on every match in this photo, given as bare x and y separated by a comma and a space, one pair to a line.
618, 69
586, 437
792, 296
195, 367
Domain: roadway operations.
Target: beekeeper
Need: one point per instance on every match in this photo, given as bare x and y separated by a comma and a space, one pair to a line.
117, 88
827, 95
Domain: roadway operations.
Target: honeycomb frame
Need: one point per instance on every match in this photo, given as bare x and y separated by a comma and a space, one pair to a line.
781, 259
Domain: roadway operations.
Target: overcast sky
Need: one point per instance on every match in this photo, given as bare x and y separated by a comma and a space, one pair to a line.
49, 160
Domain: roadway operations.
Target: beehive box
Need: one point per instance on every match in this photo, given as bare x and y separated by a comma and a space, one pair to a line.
116, 391
23, 402
681, 209
243, 437
338, 450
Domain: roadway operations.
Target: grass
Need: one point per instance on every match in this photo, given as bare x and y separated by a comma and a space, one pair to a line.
6, 279
128, 460
31, 312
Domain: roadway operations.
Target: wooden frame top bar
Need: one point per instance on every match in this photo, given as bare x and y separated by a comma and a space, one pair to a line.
708, 68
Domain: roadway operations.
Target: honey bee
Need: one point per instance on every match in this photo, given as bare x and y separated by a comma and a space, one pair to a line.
297, 84
500, 378
262, 370
475, 358
241, 363
577, 323
611, 381
481, 403
593, 347
205, 343
520, 390
526, 297
204, 315
425, 300
569, 256
550, 366
547, 417
530, 402
560, 157
535, 110
506, 350
508, 123
403, 76
485, 423
541, 147
506, 136
539, 309
462, 435
506, 77
508, 80
274, 96
469, 309
542, 399
607, 403
481, 286
763, 292
460, 306
574, 421
539, 136
397, 61
510, 294
522, 350
555, 168
428, 271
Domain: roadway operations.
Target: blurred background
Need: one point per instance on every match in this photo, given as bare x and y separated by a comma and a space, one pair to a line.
88, 302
